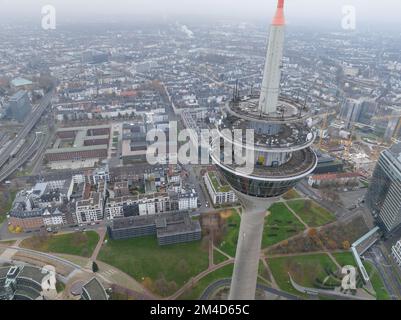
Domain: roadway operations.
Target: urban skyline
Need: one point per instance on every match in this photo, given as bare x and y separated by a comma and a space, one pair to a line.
200, 159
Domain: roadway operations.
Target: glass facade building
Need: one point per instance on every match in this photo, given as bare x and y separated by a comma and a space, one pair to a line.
384, 194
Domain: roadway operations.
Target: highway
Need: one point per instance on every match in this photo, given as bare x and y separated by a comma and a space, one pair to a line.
27, 127
22, 158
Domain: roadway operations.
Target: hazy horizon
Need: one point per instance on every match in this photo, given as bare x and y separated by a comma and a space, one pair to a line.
307, 12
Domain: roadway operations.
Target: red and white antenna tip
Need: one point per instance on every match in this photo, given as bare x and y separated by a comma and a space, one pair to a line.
279, 19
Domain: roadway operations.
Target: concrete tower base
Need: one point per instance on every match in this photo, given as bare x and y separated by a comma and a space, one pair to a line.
246, 265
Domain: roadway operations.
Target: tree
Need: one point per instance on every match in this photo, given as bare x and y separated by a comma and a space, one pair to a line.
346, 245
312, 232
148, 283
331, 244
95, 267
162, 286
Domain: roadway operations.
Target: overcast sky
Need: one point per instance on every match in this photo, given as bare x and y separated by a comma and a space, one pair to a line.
375, 12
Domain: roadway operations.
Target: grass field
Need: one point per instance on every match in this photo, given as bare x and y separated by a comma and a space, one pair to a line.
79, 243
229, 243
377, 283
281, 224
148, 263
218, 257
345, 259
6, 204
195, 292
303, 269
311, 213
7, 242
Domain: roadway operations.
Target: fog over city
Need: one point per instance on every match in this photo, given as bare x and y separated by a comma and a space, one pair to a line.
369, 13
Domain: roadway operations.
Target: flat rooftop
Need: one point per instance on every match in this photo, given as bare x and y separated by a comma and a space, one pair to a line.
77, 149
216, 183
171, 223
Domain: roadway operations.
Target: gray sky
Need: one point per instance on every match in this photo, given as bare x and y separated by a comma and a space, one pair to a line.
375, 12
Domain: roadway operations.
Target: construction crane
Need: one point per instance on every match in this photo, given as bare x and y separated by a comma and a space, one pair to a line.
348, 146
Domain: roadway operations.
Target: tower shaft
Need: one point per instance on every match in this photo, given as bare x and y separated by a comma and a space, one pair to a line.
272, 72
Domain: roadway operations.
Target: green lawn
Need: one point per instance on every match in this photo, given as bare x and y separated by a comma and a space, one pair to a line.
147, 262
345, 259
7, 243
5, 205
377, 283
79, 243
311, 213
218, 257
303, 269
195, 292
60, 286
264, 273
229, 243
281, 224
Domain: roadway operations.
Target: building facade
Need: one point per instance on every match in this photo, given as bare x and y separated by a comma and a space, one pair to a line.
384, 194
396, 253
19, 106
218, 192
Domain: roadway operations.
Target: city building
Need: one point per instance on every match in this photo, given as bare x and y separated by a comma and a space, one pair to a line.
134, 144
187, 200
393, 125
139, 205
344, 178
90, 210
351, 111
44, 205
53, 218
170, 228
93, 290
328, 164
21, 83
80, 146
22, 282
396, 253
218, 192
26, 219
19, 106
384, 194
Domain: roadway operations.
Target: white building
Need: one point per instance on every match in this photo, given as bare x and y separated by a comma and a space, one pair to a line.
219, 193
52, 219
188, 200
396, 252
144, 204
90, 210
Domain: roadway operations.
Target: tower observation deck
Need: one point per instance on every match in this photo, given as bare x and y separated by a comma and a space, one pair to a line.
282, 155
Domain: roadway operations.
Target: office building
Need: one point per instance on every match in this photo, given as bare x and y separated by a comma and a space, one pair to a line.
219, 192
384, 194
19, 106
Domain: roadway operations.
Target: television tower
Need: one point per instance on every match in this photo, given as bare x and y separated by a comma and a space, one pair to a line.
282, 156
